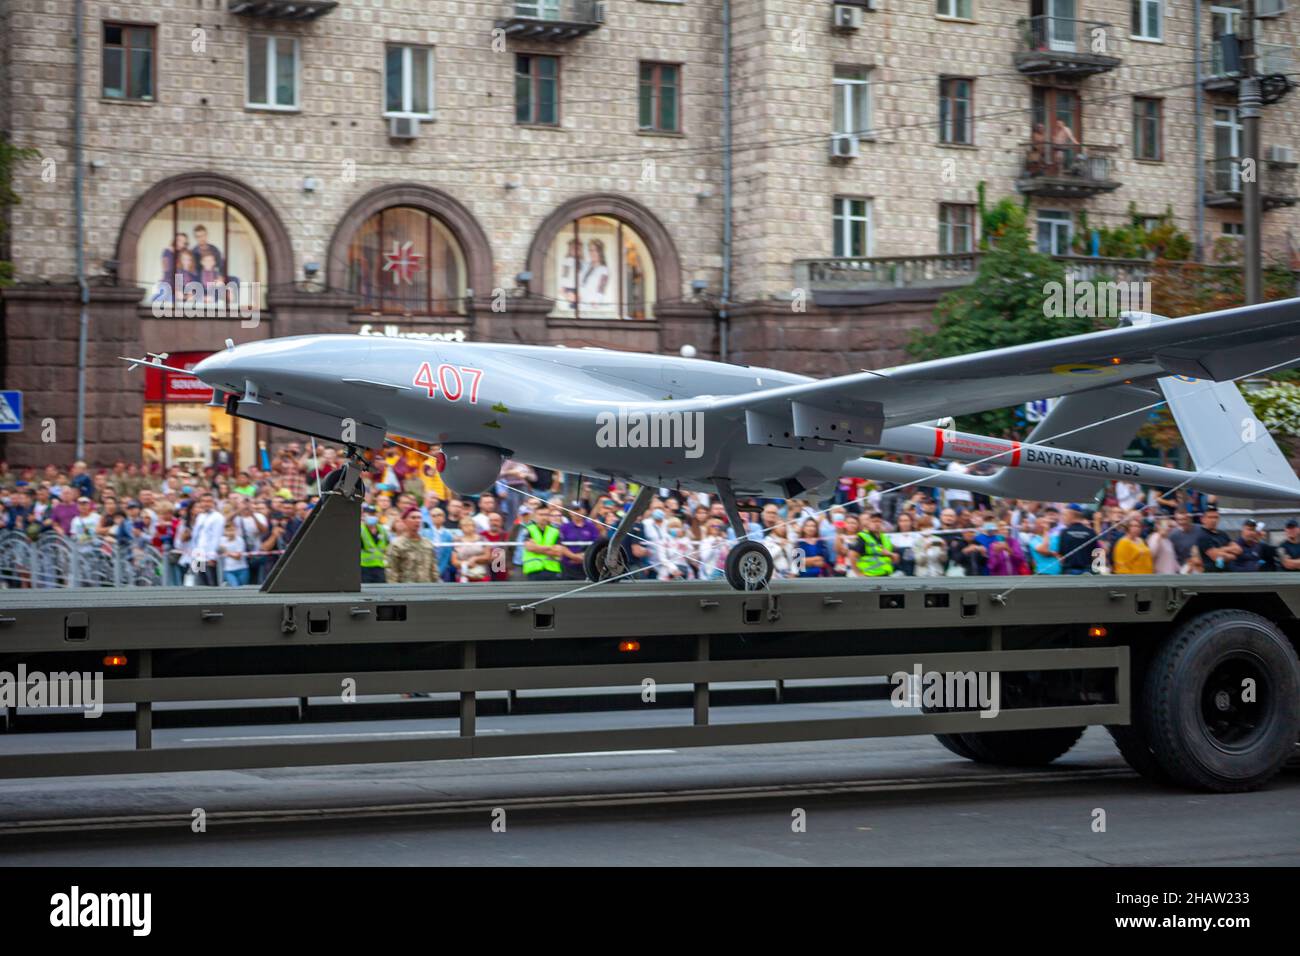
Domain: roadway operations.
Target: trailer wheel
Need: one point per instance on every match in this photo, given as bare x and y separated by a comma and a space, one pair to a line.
1220, 698
1134, 745
955, 744
1021, 748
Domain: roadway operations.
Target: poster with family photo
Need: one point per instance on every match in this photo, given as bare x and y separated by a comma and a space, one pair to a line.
200, 250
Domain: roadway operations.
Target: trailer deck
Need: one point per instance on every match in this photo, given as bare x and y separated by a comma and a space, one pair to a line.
1070, 653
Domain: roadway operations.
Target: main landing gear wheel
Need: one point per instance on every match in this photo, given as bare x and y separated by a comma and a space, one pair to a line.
596, 566
749, 566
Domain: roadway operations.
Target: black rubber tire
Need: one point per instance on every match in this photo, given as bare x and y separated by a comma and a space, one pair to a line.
1241, 744
748, 552
956, 744
1021, 748
595, 553
1134, 745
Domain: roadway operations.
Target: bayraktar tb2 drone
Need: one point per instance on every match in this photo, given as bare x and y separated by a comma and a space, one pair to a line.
663, 420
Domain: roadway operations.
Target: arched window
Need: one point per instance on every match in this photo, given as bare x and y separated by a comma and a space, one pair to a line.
599, 267
406, 261
200, 250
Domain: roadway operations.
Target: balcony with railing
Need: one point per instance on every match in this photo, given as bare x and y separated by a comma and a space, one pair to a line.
281, 9
894, 274
867, 281
858, 281
1225, 181
1065, 47
1072, 171
552, 21
1221, 63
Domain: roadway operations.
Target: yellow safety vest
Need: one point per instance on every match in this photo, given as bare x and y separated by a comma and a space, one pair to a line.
534, 562
875, 561
372, 548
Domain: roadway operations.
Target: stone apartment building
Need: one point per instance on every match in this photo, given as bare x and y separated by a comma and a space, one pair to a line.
553, 171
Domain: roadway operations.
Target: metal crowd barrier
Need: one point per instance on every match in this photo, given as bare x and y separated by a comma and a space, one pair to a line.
54, 561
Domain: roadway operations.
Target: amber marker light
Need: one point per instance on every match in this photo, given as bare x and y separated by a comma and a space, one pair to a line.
629, 646
1097, 631
115, 660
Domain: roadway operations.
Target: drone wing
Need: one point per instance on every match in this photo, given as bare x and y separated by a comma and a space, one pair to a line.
852, 409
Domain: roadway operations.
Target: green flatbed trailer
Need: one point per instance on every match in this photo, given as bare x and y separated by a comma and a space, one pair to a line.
1196, 677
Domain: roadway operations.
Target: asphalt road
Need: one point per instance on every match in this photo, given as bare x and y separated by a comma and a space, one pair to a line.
888, 801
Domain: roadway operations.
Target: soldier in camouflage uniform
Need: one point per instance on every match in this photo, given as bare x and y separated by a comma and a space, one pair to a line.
410, 557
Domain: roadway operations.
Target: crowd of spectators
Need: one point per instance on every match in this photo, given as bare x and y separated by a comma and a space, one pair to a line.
228, 527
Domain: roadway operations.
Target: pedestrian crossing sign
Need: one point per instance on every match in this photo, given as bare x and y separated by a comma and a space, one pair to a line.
11, 411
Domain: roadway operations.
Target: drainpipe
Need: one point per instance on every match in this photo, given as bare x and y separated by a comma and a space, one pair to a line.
78, 201
1200, 139
724, 312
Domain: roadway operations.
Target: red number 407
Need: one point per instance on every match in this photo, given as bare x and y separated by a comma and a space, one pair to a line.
448, 380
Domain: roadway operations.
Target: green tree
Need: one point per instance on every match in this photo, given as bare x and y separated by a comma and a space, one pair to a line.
1009, 303
10, 156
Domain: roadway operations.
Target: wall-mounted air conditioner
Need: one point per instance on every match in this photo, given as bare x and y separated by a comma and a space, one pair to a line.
847, 19
403, 127
844, 146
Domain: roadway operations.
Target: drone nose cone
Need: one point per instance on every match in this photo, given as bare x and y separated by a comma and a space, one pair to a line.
309, 363
211, 368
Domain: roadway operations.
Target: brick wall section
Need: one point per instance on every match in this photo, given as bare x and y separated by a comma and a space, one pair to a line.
785, 53
903, 170
472, 150
41, 331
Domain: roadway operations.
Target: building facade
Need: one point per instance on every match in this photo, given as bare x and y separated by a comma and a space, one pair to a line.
554, 172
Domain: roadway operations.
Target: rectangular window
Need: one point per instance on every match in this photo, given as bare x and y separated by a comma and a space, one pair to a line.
273, 72
1235, 229
408, 81
1148, 19
1055, 232
955, 102
852, 105
659, 97
128, 62
960, 9
956, 228
1146, 128
852, 225
537, 89
538, 9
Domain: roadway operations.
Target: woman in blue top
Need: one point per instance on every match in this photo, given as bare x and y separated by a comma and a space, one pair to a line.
816, 556
1042, 549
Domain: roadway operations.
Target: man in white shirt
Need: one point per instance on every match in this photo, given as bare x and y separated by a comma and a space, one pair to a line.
205, 543
85, 525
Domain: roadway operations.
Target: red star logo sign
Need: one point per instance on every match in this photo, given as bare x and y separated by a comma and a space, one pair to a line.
402, 262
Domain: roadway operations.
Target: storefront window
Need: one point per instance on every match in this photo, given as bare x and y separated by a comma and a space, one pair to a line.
598, 267
203, 251
406, 261
180, 427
